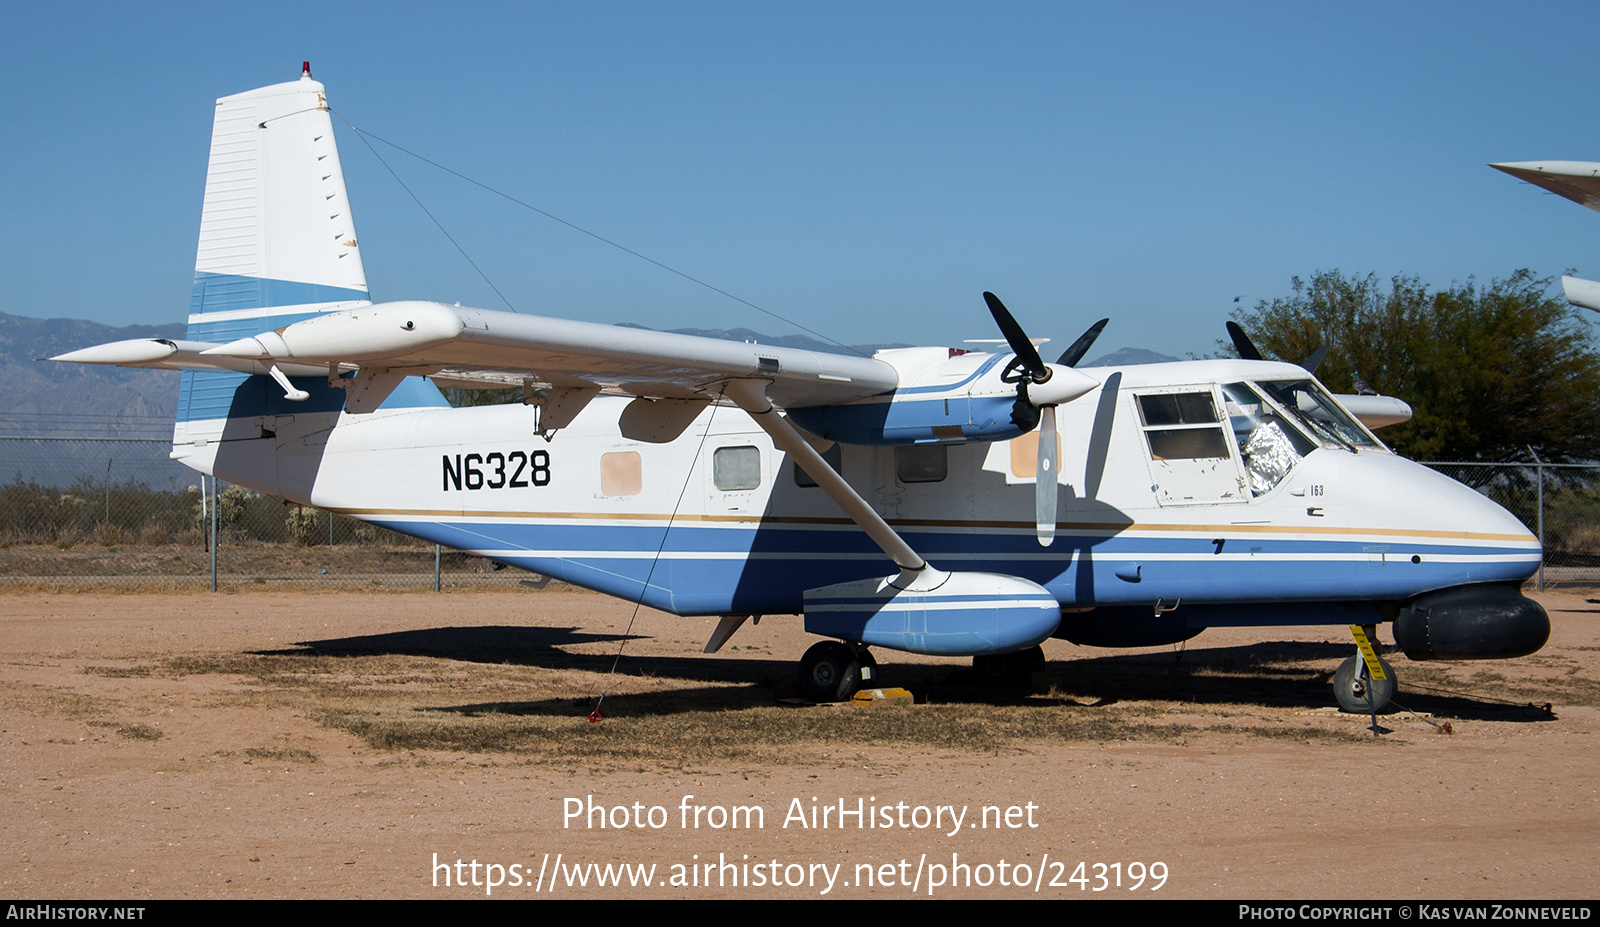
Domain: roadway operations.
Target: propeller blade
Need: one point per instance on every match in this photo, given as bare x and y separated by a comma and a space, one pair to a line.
1071, 356
1045, 477
1026, 353
1241, 342
1315, 360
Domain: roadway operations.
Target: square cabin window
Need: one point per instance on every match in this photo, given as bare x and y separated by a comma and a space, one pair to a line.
922, 463
736, 468
833, 456
621, 473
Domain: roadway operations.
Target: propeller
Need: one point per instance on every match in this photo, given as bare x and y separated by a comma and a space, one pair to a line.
1242, 343
1071, 356
1027, 370
1247, 349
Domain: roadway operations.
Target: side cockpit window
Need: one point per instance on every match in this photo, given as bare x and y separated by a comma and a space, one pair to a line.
1270, 446
1191, 458
1183, 426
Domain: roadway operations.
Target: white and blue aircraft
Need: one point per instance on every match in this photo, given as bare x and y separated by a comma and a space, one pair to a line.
930, 500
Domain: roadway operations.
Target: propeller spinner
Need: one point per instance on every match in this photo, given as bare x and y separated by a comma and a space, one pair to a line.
1036, 403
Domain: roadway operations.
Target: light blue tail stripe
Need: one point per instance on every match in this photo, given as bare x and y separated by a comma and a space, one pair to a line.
224, 292
214, 394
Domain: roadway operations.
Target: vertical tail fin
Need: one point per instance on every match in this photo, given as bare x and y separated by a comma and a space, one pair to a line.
276, 228
277, 245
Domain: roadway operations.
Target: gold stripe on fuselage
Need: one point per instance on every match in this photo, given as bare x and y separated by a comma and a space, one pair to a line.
1098, 527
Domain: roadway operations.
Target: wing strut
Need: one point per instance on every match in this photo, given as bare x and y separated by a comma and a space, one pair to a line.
751, 396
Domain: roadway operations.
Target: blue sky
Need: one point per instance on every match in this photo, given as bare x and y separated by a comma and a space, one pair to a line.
865, 169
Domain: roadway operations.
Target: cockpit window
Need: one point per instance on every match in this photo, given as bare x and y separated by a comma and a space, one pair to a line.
1182, 426
1320, 415
1270, 447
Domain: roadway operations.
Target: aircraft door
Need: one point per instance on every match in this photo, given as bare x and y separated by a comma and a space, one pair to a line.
1192, 460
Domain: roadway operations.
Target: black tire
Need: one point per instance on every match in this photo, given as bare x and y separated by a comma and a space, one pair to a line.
1359, 694
1009, 670
830, 672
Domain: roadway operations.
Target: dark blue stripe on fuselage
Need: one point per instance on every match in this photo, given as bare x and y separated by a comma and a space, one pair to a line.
1080, 571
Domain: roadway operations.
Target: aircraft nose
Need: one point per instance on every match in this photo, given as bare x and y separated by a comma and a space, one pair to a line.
1454, 506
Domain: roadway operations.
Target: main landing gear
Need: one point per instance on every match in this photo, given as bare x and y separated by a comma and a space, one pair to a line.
832, 671
1353, 684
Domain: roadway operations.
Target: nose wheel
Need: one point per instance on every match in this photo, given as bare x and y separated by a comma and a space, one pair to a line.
1354, 684
832, 671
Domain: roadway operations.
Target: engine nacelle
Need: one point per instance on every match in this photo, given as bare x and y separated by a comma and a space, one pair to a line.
944, 397
1487, 622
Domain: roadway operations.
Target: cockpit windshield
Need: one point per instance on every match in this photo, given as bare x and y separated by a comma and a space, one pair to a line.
1277, 422
1321, 416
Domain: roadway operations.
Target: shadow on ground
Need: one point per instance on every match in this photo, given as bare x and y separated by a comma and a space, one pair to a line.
1292, 675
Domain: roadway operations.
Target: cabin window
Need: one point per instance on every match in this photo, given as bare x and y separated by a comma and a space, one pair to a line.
833, 456
621, 474
736, 468
1183, 426
922, 463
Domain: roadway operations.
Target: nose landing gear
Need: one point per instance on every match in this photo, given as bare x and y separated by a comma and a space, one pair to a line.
1356, 687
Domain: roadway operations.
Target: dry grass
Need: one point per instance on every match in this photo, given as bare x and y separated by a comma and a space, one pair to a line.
280, 754
46, 702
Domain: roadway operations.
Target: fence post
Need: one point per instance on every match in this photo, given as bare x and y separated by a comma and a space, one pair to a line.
213, 533
1540, 470
436, 568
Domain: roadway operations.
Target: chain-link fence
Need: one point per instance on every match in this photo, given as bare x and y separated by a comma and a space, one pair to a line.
114, 510
118, 510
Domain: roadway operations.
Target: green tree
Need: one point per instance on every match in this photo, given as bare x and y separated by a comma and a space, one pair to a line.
1489, 371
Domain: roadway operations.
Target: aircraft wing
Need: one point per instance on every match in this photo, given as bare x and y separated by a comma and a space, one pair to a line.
491, 348
1578, 181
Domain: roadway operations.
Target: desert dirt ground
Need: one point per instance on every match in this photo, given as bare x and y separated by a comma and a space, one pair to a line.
271, 744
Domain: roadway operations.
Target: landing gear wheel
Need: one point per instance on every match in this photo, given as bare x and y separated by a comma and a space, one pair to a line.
1008, 670
1357, 692
831, 671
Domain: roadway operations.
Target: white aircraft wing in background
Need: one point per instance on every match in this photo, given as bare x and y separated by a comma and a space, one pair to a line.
1578, 181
